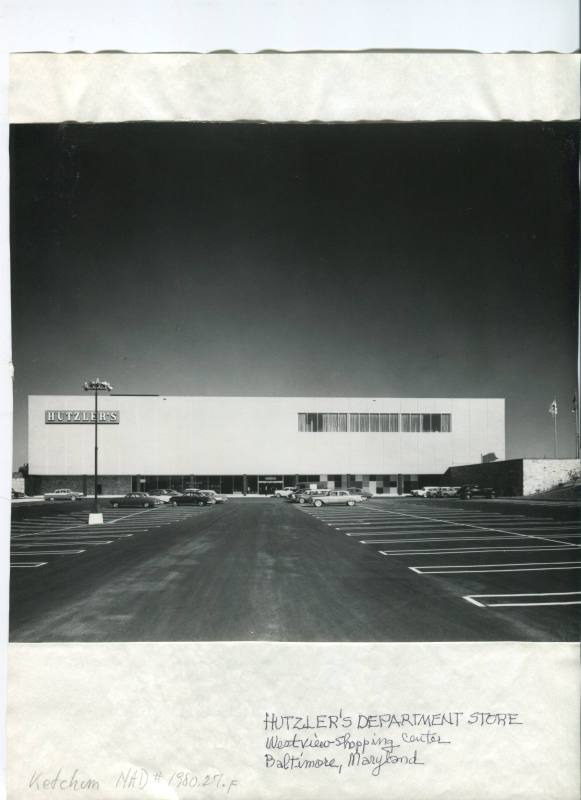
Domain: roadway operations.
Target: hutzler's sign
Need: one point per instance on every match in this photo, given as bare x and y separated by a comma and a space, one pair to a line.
81, 417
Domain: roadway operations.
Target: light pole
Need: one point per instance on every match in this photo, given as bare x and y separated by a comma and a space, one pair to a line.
96, 386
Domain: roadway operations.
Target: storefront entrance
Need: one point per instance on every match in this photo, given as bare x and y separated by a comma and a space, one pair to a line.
268, 484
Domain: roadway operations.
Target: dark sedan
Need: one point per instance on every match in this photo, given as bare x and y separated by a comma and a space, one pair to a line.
193, 499
466, 492
136, 499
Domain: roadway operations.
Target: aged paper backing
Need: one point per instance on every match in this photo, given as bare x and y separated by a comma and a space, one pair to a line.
160, 709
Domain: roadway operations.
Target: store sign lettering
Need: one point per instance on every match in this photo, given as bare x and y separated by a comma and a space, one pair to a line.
80, 417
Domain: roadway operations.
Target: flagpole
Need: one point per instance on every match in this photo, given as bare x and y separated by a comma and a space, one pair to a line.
577, 450
554, 411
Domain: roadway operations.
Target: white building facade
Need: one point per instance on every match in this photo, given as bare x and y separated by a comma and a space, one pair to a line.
256, 444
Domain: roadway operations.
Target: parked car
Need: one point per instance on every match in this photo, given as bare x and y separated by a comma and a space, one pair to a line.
136, 499
63, 494
426, 491
16, 495
165, 495
334, 497
303, 496
472, 490
301, 488
161, 496
295, 496
198, 498
219, 498
365, 494
286, 492
449, 491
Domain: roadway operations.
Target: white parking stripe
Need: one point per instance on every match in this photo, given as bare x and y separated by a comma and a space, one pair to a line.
424, 568
127, 516
481, 527
440, 539
472, 598
405, 526
507, 522
552, 503
93, 530
523, 549
53, 542
51, 553
427, 517
27, 566
549, 536
395, 533
503, 569
73, 535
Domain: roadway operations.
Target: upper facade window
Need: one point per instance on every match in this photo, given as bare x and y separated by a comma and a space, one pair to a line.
323, 423
426, 423
374, 423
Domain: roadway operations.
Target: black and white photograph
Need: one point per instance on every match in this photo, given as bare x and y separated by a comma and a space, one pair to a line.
295, 382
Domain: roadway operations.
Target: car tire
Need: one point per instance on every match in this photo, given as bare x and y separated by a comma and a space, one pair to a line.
115, 505
201, 503
350, 502
318, 503
301, 501
51, 499
173, 503
73, 499
146, 505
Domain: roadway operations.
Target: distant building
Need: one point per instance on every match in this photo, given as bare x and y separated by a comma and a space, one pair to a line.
257, 444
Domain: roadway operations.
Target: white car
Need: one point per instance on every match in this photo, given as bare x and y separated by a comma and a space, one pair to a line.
62, 494
286, 492
334, 497
449, 491
427, 491
218, 498
164, 498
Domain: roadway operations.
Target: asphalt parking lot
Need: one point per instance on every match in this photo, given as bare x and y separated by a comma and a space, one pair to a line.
492, 557
385, 570
56, 531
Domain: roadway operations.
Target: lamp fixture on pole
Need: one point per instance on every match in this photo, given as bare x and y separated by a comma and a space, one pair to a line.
96, 518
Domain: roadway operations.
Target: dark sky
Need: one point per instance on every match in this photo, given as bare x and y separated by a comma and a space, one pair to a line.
430, 259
